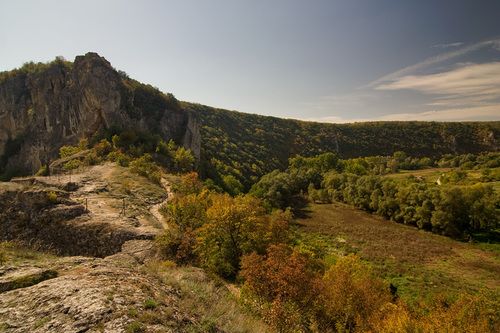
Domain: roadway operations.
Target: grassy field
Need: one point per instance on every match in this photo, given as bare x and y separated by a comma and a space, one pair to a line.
431, 176
420, 264
428, 175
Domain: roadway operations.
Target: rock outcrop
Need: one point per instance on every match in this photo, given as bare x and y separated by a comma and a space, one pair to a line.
51, 214
90, 295
42, 110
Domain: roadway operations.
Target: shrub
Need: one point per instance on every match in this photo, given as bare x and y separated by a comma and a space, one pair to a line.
43, 171
172, 244
91, 158
189, 183
146, 167
136, 327
66, 151
150, 304
52, 197
120, 158
283, 285
183, 160
72, 164
103, 148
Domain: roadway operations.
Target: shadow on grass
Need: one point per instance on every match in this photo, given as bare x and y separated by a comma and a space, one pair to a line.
301, 208
487, 236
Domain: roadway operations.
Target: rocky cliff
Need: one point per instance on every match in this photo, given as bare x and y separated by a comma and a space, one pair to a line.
62, 102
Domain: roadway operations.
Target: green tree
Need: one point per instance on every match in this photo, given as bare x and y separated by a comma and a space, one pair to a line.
183, 160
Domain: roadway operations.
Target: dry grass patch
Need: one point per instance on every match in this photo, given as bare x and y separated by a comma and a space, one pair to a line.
419, 263
208, 300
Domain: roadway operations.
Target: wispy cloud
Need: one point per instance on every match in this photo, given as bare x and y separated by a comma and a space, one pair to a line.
463, 91
476, 82
489, 112
495, 43
448, 45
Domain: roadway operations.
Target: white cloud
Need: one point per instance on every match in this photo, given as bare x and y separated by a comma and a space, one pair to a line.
466, 92
495, 43
472, 84
448, 45
489, 112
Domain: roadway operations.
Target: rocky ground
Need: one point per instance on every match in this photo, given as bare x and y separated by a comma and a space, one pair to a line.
87, 213
106, 284
82, 294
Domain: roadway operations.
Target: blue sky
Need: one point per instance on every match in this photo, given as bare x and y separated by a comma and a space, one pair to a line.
338, 61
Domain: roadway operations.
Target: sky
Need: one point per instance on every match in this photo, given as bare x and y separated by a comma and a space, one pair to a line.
320, 60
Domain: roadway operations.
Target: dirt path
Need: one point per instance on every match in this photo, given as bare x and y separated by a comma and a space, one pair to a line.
155, 209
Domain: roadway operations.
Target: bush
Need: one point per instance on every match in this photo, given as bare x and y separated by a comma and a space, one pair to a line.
52, 197
103, 148
43, 171
120, 158
66, 151
183, 160
283, 285
72, 164
146, 167
150, 304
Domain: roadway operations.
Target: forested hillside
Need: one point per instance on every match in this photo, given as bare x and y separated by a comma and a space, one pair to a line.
242, 147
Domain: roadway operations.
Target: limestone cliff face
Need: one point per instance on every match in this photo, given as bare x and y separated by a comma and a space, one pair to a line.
40, 112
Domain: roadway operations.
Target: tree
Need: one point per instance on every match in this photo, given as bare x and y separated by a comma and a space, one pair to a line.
229, 232
183, 160
232, 185
283, 283
351, 296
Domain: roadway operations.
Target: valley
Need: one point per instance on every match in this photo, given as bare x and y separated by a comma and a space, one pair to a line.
123, 209
420, 264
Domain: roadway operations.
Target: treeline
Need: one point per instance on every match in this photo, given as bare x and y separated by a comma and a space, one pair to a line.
34, 68
453, 209
239, 239
246, 146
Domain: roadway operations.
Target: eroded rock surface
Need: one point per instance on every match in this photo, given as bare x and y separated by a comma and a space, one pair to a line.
93, 295
90, 220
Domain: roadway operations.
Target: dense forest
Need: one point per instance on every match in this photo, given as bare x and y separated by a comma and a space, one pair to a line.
243, 147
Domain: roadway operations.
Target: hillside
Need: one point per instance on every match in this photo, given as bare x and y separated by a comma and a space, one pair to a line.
45, 106
419, 264
73, 258
248, 146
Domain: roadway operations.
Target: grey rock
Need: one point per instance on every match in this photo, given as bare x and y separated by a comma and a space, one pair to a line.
40, 112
